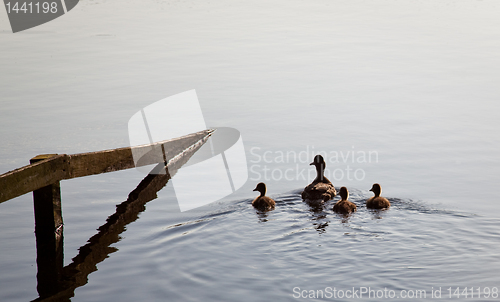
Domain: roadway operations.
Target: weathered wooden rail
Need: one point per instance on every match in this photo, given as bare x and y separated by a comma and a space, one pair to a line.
51, 168
43, 176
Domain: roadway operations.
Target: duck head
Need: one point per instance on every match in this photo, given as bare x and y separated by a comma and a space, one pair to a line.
320, 164
261, 187
376, 189
344, 194
318, 160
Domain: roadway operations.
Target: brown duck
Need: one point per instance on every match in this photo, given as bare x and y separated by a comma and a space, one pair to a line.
321, 188
262, 202
344, 206
377, 201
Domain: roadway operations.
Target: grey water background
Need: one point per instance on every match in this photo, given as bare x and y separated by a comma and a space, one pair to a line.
415, 81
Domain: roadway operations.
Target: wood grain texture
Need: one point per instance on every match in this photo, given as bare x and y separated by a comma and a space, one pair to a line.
58, 167
33, 177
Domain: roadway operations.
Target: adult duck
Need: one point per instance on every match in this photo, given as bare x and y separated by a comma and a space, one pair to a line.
321, 188
262, 202
377, 201
344, 206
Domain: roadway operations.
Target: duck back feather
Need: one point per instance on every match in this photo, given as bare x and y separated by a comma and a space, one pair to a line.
263, 203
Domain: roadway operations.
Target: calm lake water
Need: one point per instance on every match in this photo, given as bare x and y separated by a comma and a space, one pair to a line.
403, 93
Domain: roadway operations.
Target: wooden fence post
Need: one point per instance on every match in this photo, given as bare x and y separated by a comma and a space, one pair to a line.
49, 235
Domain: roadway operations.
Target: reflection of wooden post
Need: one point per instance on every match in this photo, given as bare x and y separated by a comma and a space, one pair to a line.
49, 235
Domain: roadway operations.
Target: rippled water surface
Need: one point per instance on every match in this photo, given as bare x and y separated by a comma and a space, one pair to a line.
231, 252
414, 83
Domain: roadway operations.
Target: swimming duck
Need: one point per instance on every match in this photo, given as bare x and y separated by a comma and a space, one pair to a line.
321, 188
262, 202
344, 206
377, 201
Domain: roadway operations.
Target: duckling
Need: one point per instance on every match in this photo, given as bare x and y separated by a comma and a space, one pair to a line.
344, 206
263, 202
377, 201
321, 188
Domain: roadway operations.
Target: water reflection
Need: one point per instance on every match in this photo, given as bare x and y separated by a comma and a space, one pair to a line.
63, 284
345, 218
262, 215
318, 215
377, 213
321, 227
315, 206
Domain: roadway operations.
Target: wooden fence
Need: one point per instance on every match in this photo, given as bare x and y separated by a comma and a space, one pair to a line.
43, 176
